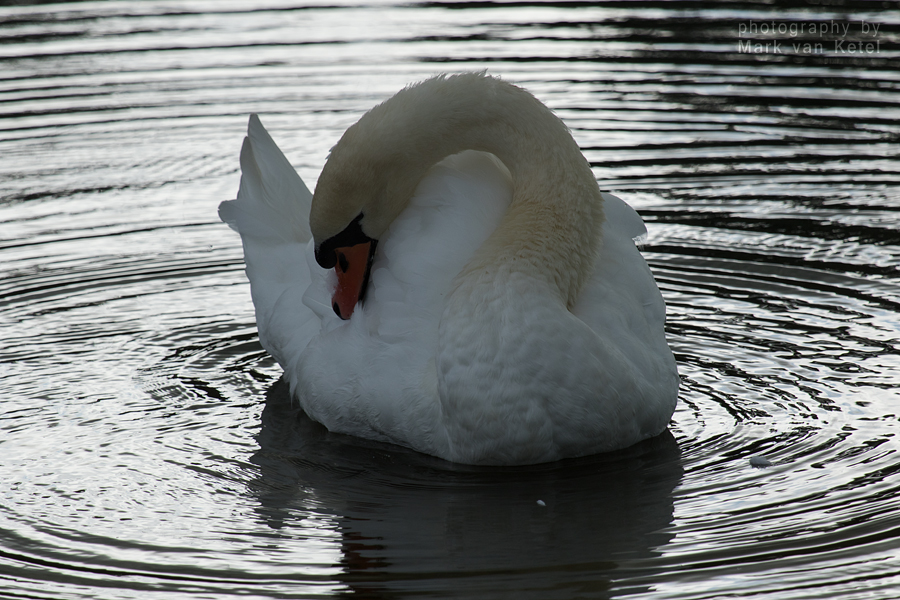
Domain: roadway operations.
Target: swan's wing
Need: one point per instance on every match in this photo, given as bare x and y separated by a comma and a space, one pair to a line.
271, 191
621, 301
272, 215
624, 218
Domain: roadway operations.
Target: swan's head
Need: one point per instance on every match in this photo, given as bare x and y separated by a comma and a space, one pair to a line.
366, 183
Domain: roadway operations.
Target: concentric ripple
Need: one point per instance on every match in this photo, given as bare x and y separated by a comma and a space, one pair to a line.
150, 449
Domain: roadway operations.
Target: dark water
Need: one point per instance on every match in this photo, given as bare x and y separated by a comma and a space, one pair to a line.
149, 451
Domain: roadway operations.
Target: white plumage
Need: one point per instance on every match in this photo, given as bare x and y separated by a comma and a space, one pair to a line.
452, 353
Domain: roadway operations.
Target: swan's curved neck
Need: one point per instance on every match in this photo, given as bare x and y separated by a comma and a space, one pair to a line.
556, 209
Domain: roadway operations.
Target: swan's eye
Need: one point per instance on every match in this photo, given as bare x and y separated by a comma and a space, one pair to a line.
352, 235
342, 262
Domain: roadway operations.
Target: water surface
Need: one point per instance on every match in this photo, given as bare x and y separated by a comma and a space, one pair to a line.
150, 451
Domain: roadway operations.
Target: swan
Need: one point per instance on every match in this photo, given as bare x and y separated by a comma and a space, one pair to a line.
458, 284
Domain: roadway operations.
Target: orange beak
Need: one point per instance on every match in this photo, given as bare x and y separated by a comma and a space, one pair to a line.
352, 268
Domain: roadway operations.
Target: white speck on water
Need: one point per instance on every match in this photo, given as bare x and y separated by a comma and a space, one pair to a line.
541, 503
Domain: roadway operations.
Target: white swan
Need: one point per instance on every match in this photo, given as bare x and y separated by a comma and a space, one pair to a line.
506, 316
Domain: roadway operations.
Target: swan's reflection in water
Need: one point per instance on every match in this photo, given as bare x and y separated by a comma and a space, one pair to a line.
410, 523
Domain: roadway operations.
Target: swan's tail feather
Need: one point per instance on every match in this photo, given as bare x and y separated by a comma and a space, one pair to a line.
269, 184
272, 215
